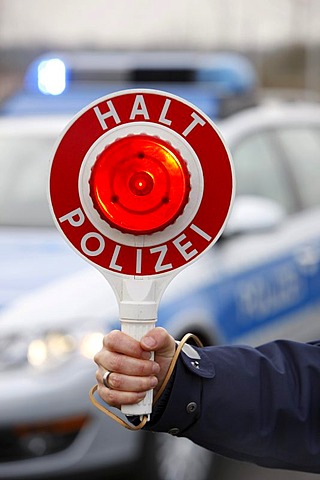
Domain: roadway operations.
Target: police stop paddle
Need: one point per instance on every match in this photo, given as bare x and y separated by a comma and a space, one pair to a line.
141, 184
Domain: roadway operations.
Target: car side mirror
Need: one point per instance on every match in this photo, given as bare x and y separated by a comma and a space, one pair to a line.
253, 214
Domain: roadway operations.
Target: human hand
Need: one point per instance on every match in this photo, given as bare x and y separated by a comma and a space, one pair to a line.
132, 371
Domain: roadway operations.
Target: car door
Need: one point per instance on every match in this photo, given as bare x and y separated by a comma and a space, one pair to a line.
269, 280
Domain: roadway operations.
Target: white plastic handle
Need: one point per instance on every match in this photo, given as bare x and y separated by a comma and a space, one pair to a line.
137, 330
138, 301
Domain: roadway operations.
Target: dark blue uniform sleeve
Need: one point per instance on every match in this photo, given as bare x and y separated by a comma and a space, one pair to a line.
255, 404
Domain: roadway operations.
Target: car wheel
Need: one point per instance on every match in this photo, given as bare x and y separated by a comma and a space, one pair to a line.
173, 458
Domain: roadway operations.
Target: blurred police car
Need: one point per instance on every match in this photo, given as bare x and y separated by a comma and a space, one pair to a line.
261, 281
64, 82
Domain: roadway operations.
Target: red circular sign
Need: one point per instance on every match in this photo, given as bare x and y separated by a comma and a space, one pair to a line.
139, 184
183, 215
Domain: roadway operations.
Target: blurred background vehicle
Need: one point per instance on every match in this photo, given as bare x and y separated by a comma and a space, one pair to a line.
59, 432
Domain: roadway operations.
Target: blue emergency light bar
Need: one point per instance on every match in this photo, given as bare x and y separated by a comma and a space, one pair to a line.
65, 82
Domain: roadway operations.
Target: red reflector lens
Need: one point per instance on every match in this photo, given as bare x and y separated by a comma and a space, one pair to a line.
139, 184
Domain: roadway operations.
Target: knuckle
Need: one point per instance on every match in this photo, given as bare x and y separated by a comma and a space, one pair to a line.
111, 339
144, 368
115, 381
111, 398
108, 396
97, 358
115, 363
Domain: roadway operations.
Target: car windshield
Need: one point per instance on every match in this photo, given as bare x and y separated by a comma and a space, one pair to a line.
302, 148
24, 163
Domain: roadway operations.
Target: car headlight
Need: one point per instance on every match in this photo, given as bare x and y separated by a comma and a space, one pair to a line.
48, 349
91, 343
55, 347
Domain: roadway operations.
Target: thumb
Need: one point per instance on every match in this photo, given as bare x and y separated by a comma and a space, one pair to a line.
159, 340
164, 346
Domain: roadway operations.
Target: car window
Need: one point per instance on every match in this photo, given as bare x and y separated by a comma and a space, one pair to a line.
260, 171
24, 164
302, 146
